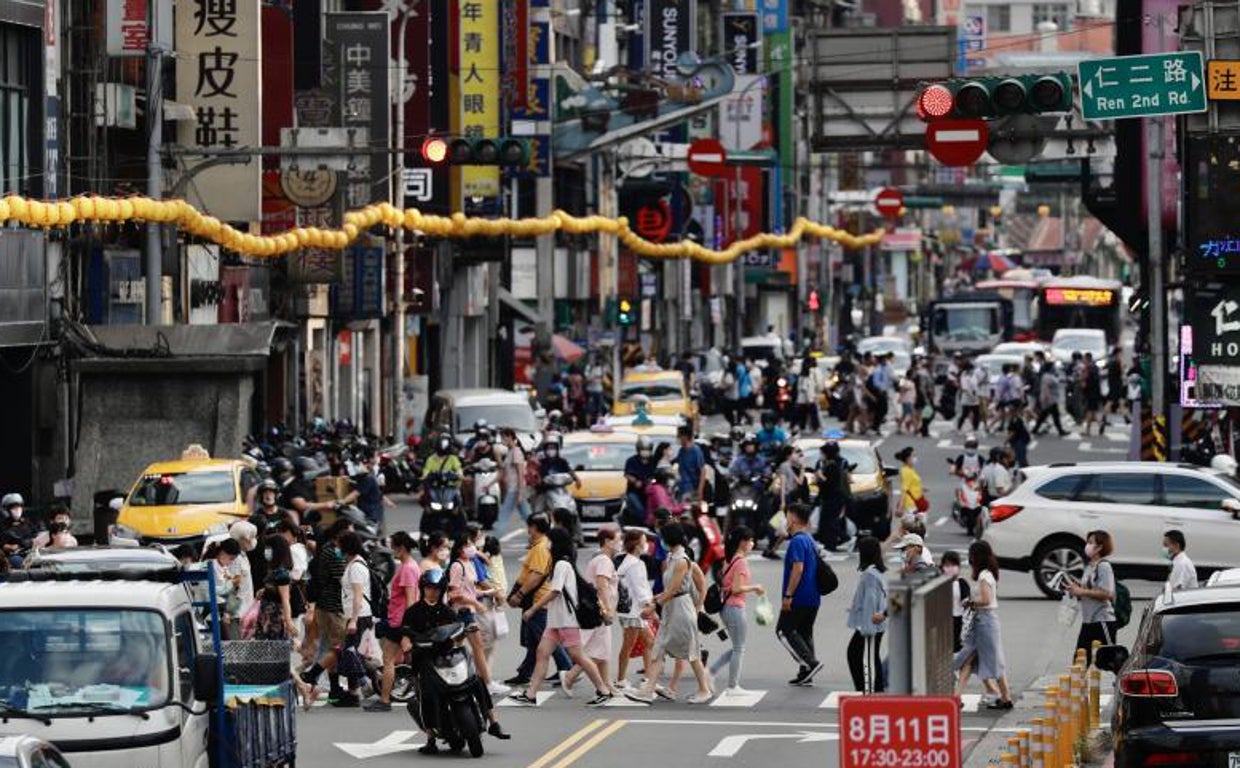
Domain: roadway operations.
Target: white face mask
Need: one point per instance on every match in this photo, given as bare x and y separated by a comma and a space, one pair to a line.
15, 513
443, 555
470, 552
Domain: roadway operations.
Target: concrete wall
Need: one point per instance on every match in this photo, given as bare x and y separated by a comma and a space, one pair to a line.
129, 420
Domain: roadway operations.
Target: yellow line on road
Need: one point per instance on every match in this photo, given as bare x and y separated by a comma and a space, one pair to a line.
590, 744
568, 743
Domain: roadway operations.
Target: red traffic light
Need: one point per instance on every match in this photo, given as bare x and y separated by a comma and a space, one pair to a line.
434, 150
935, 102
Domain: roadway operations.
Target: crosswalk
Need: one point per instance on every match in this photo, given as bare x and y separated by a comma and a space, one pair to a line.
971, 703
1116, 441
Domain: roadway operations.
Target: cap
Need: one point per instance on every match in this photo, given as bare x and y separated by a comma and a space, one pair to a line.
910, 540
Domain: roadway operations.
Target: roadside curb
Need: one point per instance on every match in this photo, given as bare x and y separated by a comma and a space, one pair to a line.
1027, 707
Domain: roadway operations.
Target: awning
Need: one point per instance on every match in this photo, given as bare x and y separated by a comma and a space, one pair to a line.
902, 240
187, 348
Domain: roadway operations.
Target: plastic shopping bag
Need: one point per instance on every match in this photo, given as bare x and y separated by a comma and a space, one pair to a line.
1069, 609
763, 612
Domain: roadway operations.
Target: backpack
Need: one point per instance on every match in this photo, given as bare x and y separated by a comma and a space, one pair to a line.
824, 576
586, 607
379, 595
1122, 605
714, 600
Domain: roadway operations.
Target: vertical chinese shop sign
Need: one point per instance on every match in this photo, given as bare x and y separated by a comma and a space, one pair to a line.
362, 43
218, 66
479, 79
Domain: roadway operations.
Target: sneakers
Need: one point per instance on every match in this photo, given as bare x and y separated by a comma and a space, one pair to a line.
736, 690
600, 699
701, 697
642, 695
523, 699
620, 685
498, 689
565, 685
665, 693
805, 677
498, 732
517, 680
377, 705
346, 701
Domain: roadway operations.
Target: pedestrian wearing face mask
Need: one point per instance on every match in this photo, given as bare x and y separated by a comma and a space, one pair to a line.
13, 523
1183, 574
913, 499
1096, 592
436, 552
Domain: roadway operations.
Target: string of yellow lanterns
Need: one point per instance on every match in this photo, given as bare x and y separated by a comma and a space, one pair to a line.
55, 214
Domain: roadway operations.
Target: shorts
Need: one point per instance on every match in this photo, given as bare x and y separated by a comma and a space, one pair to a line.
597, 642
467, 617
332, 629
907, 410
637, 622
385, 631
569, 637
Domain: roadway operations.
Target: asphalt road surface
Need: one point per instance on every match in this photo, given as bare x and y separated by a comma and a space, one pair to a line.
777, 725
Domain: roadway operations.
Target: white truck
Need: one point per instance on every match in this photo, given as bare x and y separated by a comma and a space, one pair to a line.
119, 670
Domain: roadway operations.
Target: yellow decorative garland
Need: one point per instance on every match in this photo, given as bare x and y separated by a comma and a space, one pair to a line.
61, 213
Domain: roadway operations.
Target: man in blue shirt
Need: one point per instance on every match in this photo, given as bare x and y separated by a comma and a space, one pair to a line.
771, 435
799, 607
690, 461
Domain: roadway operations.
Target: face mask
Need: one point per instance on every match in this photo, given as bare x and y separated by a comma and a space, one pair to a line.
267, 553
470, 552
1090, 550
1166, 553
553, 452
970, 452
16, 513
444, 555
645, 454
951, 570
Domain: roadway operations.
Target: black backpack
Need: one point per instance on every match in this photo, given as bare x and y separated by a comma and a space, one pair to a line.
586, 607
379, 596
824, 576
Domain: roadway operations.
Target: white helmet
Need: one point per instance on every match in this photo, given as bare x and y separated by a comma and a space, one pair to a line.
12, 500
1223, 463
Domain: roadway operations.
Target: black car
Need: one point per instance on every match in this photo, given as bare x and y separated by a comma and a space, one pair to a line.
1177, 698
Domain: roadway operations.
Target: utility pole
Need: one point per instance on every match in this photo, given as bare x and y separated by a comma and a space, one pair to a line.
544, 203
154, 169
1157, 269
398, 304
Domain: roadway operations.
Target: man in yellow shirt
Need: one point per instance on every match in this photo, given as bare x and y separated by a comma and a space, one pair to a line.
532, 583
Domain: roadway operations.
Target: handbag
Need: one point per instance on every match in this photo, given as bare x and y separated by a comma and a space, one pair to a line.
350, 664
922, 504
706, 624
778, 521
500, 623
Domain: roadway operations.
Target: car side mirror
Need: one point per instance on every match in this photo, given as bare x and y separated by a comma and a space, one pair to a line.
1111, 658
206, 677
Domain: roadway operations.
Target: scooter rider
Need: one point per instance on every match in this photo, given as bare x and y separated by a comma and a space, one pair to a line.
297, 493
480, 446
270, 513
482, 433
13, 523
970, 462
750, 467
771, 436
429, 612
553, 463
638, 472
446, 463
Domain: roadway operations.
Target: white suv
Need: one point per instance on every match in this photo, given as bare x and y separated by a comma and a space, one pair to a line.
1041, 525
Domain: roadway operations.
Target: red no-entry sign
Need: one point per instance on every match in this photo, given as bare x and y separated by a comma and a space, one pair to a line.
957, 142
889, 202
707, 157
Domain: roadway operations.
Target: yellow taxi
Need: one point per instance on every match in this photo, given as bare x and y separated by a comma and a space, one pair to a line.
868, 480
598, 456
174, 502
665, 392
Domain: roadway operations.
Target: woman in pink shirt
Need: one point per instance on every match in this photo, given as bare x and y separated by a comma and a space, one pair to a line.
402, 593
736, 588
463, 597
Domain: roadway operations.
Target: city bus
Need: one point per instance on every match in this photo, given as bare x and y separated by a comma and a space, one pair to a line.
1079, 302
1023, 294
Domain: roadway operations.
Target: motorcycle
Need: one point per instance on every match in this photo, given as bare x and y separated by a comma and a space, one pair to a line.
967, 505
449, 671
556, 500
839, 397
395, 469
784, 397
441, 503
485, 474
746, 507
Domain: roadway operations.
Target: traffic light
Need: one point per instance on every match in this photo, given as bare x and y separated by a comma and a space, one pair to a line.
506, 151
435, 150
983, 97
626, 312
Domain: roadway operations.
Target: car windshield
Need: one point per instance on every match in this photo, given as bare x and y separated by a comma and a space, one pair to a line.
654, 390
598, 457
1198, 635
882, 344
966, 323
517, 416
1081, 342
169, 488
861, 459
63, 660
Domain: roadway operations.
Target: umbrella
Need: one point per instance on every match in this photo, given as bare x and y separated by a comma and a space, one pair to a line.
566, 350
993, 261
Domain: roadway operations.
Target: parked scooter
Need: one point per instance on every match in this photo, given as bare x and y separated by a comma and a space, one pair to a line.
448, 670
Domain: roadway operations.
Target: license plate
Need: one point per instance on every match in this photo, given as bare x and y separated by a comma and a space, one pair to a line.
1233, 760
594, 511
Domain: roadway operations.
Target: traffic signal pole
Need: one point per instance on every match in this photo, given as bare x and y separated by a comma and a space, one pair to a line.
1157, 266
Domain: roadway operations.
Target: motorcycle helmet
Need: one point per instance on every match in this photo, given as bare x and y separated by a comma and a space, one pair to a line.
443, 446
970, 443
12, 500
307, 468
553, 440
268, 485
281, 468
769, 419
482, 434
749, 439
431, 577
644, 445
480, 425
665, 474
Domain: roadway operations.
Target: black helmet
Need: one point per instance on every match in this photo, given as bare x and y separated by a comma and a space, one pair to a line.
480, 425
665, 473
769, 417
281, 467
431, 577
483, 434
307, 468
269, 485
443, 446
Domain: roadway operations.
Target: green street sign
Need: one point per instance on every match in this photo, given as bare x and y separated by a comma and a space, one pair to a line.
1142, 86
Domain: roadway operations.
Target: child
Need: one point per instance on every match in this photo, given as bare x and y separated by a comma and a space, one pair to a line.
950, 565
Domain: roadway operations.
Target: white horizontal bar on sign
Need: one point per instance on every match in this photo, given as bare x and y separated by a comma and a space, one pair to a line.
948, 137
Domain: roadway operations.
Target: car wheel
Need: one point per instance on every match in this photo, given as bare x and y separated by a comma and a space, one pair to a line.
1054, 562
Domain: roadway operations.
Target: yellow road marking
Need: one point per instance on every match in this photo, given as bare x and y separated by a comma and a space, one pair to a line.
568, 743
590, 744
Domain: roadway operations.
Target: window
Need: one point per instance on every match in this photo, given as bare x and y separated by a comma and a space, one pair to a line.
249, 479
1059, 13
1192, 492
187, 649
1118, 488
184, 488
1062, 488
19, 73
999, 18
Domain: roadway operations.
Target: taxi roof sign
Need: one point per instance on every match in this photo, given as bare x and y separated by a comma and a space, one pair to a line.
195, 452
